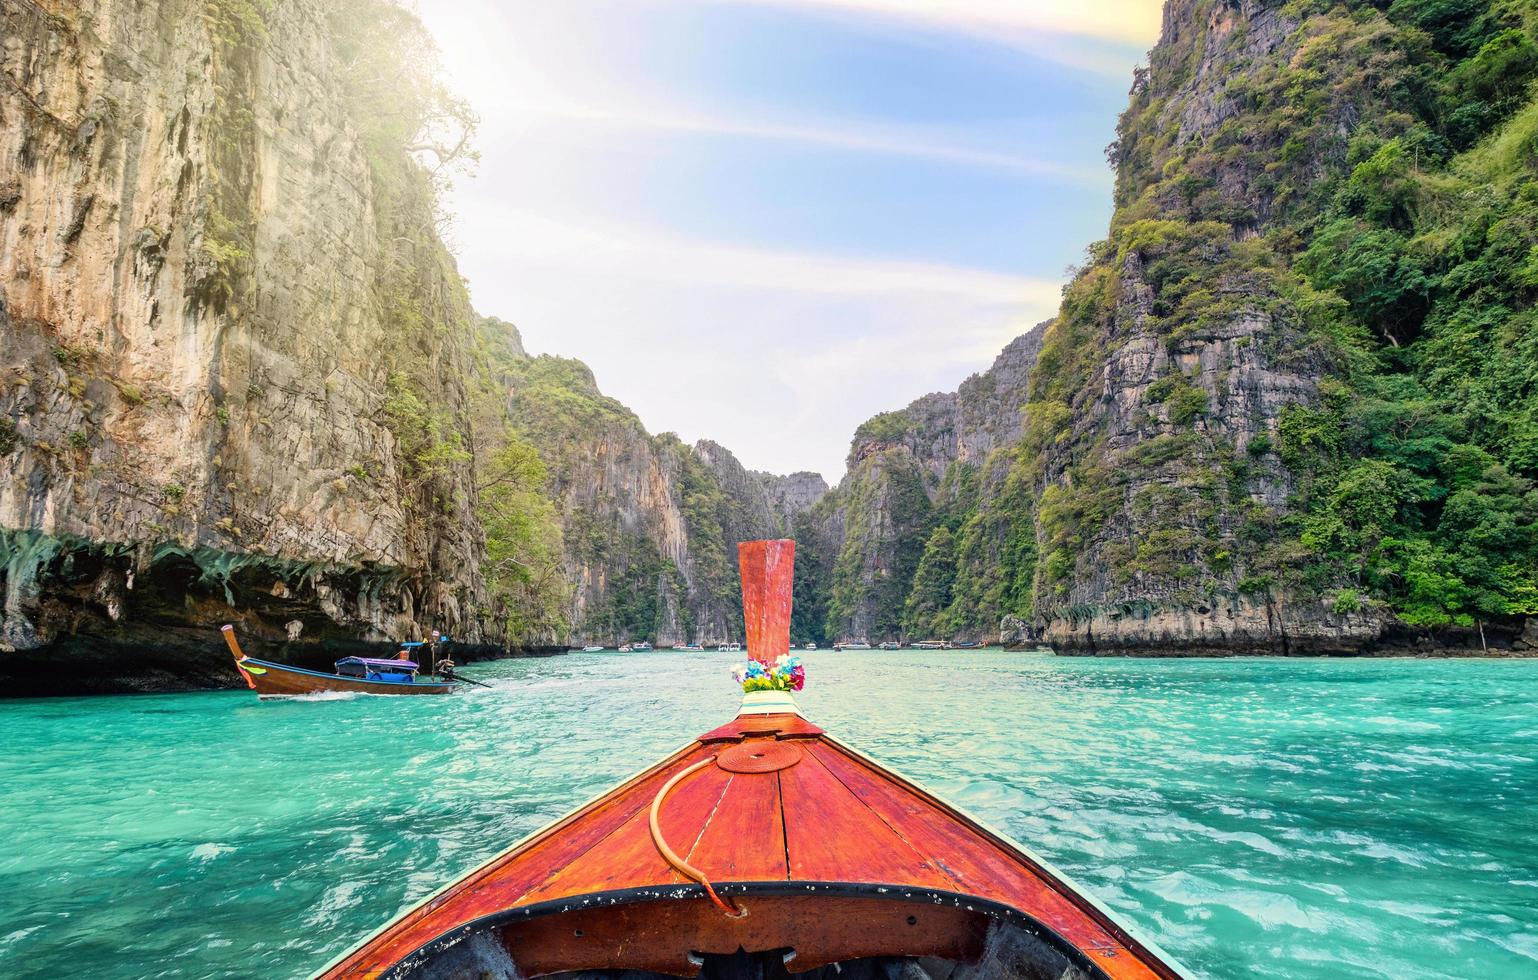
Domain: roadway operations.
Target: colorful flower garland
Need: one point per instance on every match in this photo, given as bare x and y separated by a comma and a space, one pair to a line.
787, 674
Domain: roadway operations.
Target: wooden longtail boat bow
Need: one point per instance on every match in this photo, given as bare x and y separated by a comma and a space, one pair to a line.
762, 849
274, 680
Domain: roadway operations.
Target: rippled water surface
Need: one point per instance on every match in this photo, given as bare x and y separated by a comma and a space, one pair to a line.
1279, 818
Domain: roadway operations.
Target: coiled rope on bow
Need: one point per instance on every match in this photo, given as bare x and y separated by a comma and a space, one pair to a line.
671, 857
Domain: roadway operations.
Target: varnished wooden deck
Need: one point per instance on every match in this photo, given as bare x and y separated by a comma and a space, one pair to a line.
831, 817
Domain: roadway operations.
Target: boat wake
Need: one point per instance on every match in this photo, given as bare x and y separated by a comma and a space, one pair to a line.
329, 696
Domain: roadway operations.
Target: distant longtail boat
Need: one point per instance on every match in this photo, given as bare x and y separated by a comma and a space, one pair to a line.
359, 675
762, 849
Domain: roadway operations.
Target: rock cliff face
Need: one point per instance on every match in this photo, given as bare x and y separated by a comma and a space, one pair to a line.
770, 503
792, 495
1179, 350
1283, 408
240, 379
908, 472
1287, 405
650, 524
192, 257
1150, 480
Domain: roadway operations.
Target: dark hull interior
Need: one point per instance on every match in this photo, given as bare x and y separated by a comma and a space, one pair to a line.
894, 939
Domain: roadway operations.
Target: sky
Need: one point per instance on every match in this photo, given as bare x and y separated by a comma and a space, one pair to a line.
763, 221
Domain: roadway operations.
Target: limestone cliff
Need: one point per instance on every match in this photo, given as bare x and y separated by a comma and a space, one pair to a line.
650, 525
199, 273
768, 503
1288, 405
1163, 505
240, 379
910, 471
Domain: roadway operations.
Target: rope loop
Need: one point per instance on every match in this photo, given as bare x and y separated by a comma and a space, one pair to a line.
678, 864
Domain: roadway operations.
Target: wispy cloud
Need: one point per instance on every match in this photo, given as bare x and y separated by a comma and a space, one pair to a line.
917, 144
784, 318
1122, 21
678, 327
522, 103
1087, 35
660, 256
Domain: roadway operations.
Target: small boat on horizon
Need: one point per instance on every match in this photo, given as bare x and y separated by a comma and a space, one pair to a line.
797, 855
809, 647
890, 645
358, 675
592, 649
691, 648
641, 647
733, 647
851, 645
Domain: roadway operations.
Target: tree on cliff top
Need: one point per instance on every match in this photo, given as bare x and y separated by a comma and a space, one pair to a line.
391, 69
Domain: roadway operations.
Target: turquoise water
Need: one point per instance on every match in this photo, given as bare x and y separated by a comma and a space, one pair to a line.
1278, 818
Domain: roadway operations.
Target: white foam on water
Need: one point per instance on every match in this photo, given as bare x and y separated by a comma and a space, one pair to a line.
1389, 721
210, 851
17, 936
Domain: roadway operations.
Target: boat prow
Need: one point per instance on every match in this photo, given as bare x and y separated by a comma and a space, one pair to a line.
762, 849
771, 837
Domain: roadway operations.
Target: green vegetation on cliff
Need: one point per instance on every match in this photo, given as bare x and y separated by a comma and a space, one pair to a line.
934, 583
415, 136
387, 67
1423, 493
525, 577
1374, 192
812, 586
996, 556
634, 535
552, 403
886, 502
1303, 363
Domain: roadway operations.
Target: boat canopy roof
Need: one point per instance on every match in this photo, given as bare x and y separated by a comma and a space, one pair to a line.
383, 664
